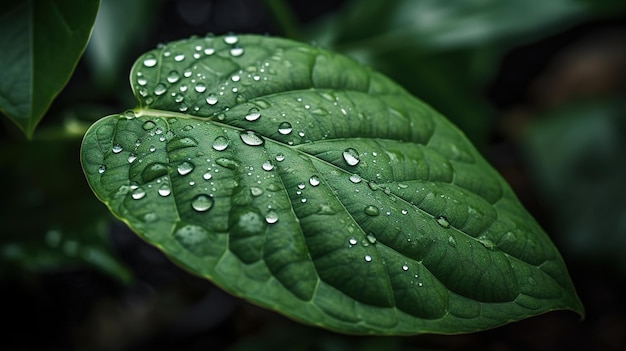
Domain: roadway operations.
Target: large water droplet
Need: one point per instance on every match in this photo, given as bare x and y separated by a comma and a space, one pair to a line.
253, 114
355, 178
227, 163
173, 77
443, 221
149, 60
352, 241
132, 158
202, 203
117, 148
371, 210
200, 88
164, 190
231, 39
314, 181
251, 138
351, 156
179, 57
405, 268
280, 157
285, 128
160, 89
153, 171
368, 258
271, 217
180, 143
256, 191
185, 168
211, 99
267, 165
147, 125
220, 143
102, 169
236, 51
138, 193
207, 176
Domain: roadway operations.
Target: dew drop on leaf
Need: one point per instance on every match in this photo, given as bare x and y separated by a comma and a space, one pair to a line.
314, 181
355, 178
102, 169
231, 39
132, 158
256, 191
164, 190
253, 114
117, 148
202, 203
220, 143
179, 57
280, 157
185, 168
173, 77
285, 128
160, 89
267, 165
236, 51
150, 61
371, 210
153, 171
200, 88
207, 176
148, 125
211, 99
138, 193
227, 163
443, 221
368, 258
351, 156
251, 138
271, 217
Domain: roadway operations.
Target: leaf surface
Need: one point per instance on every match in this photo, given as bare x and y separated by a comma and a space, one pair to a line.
41, 42
306, 183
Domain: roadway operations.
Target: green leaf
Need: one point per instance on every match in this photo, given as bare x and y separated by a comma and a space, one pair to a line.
306, 183
41, 42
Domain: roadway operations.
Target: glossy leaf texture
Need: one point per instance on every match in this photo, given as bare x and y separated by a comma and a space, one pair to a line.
309, 184
41, 42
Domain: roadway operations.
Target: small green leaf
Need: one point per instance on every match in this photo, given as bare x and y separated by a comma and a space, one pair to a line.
311, 185
41, 42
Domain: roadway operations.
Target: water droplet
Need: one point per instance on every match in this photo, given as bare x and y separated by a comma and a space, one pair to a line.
280, 157
236, 51
267, 165
351, 156
256, 191
202, 203
129, 114
138, 193
355, 178
352, 241
231, 39
451, 241
371, 238
180, 143
405, 268
173, 77
443, 221
368, 258
179, 57
220, 143
285, 128
160, 89
142, 81
200, 88
147, 125
209, 51
227, 163
253, 114
211, 99
164, 190
404, 212
153, 171
149, 61
117, 148
132, 158
371, 210
235, 78
207, 176
185, 168
271, 217
314, 181
251, 138
101, 169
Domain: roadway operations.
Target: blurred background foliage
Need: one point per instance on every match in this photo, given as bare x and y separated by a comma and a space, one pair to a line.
538, 86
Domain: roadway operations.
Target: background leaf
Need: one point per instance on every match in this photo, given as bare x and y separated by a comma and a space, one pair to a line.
311, 185
41, 42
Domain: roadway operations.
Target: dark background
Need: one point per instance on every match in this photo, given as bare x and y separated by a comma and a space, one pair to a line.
543, 102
